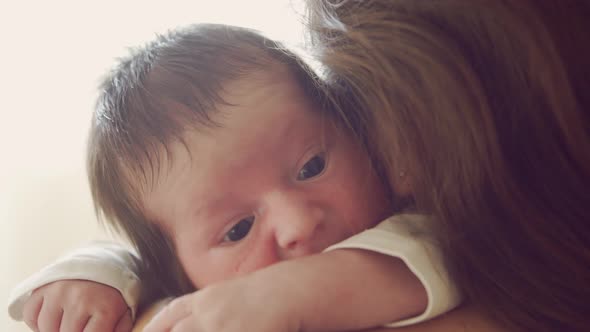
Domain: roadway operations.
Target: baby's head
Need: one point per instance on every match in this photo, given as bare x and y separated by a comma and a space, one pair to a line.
212, 150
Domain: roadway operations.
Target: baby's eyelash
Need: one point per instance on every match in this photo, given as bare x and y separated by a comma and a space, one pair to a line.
313, 167
240, 230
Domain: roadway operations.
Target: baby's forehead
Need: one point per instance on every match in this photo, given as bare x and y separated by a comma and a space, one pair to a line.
275, 76
258, 108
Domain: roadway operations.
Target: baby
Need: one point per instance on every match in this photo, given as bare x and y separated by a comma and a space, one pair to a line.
217, 153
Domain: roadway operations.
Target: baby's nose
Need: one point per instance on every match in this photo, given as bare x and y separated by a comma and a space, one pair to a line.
297, 231
296, 222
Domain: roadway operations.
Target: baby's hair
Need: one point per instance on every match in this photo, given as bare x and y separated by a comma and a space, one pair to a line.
150, 99
489, 117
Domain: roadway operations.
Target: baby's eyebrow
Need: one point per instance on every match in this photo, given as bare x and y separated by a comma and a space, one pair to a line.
208, 209
204, 216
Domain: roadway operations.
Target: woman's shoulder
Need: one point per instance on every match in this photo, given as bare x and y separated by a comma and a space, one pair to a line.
463, 318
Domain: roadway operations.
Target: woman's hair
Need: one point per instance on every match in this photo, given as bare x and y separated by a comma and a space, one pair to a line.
474, 100
150, 99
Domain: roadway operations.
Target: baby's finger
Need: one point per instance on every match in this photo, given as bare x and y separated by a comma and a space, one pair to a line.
73, 322
168, 317
31, 311
98, 324
50, 317
125, 323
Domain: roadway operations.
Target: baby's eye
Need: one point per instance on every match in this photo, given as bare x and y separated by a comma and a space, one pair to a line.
312, 168
240, 230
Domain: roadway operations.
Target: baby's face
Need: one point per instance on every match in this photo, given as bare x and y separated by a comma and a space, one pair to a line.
274, 182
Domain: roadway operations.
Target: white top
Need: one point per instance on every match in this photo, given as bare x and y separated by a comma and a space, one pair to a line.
406, 237
403, 236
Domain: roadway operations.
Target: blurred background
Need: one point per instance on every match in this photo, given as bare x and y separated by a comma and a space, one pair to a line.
52, 54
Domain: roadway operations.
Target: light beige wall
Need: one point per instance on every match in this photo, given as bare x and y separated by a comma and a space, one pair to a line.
51, 56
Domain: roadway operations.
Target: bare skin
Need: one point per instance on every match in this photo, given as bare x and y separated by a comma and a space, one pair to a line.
461, 319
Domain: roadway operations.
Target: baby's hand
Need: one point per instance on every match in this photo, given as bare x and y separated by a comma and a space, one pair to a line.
76, 306
238, 305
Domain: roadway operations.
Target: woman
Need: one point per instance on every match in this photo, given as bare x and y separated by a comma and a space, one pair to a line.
477, 101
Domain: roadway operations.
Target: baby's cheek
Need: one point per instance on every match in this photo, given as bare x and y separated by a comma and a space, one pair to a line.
256, 259
219, 265
207, 268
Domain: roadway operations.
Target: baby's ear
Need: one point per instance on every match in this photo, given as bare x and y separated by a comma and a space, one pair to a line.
146, 316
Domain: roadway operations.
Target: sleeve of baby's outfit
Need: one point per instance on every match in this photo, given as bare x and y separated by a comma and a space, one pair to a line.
406, 237
102, 262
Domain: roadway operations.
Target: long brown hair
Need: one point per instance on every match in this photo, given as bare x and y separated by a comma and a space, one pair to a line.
474, 101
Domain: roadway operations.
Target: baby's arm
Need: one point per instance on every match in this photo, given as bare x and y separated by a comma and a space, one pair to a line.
352, 289
408, 238
96, 287
343, 289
